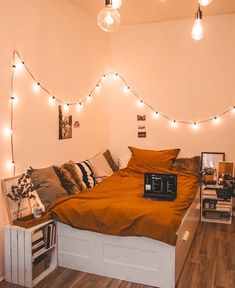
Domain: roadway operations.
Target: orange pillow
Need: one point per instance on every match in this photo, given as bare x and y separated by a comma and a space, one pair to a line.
152, 158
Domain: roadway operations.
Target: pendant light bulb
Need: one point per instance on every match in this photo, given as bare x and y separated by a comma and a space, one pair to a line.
204, 2
197, 31
108, 18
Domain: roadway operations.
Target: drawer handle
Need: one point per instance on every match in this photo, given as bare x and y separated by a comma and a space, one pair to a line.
186, 235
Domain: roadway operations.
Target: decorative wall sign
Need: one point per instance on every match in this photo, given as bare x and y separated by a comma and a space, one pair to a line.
141, 127
141, 117
142, 134
65, 125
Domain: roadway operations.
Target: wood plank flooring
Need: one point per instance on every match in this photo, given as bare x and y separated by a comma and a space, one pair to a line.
210, 264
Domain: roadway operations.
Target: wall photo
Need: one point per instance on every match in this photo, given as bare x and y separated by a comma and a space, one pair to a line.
65, 125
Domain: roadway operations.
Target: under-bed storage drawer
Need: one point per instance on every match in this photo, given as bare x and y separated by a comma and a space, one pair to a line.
186, 234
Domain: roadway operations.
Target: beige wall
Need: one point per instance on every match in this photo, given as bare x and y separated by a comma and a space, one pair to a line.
184, 79
57, 42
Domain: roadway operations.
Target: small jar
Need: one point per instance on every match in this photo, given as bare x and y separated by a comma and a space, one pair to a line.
37, 212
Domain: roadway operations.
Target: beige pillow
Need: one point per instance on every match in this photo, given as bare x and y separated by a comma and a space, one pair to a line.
51, 188
100, 167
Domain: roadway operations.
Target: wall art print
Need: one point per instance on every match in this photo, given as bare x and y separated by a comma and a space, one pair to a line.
65, 125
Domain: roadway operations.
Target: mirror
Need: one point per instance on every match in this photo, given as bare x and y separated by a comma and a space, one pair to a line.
210, 164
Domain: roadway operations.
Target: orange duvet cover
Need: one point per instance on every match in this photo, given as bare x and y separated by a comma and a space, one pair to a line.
116, 207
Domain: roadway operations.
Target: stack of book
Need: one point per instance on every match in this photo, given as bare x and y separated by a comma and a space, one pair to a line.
43, 239
38, 243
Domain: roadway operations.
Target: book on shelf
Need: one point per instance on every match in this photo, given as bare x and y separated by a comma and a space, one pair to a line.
36, 235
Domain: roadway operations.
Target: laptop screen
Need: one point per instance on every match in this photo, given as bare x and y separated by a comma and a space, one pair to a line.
160, 186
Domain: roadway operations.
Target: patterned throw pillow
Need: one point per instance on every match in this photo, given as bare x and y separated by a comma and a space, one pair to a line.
188, 165
86, 174
67, 174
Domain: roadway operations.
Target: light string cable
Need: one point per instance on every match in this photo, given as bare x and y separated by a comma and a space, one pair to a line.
12, 99
128, 89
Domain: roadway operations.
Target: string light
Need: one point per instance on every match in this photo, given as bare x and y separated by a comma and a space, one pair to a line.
216, 120
18, 64
79, 106
115, 76
126, 89
66, 107
36, 87
195, 125
97, 88
51, 100
140, 102
89, 98
10, 165
173, 123
155, 115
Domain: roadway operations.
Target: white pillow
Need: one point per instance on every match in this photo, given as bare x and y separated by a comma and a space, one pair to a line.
123, 159
100, 167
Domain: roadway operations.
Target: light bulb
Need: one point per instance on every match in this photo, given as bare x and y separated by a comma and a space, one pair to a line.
140, 102
115, 76
195, 125
7, 132
173, 123
155, 114
89, 98
19, 65
97, 87
66, 107
216, 120
79, 106
126, 89
197, 31
116, 4
204, 2
108, 19
36, 87
51, 100
10, 165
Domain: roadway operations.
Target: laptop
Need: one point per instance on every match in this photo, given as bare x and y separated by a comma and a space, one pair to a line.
161, 187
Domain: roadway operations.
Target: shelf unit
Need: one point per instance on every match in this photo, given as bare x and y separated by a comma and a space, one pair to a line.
214, 209
30, 254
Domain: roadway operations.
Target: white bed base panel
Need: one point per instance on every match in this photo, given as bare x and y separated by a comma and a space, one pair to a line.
136, 259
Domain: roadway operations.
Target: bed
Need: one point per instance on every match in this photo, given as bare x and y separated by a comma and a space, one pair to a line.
111, 230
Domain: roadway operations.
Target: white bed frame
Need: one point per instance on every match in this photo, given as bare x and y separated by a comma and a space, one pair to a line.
136, 259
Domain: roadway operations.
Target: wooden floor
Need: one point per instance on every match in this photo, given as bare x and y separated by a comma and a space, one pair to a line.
210, 264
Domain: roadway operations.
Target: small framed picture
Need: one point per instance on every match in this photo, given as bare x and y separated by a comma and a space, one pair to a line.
12, 207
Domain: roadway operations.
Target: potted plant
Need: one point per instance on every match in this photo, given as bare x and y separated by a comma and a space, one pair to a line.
23, 189
208, 174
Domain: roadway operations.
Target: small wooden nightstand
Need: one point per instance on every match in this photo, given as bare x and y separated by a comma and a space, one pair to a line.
215, 209
30, 254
